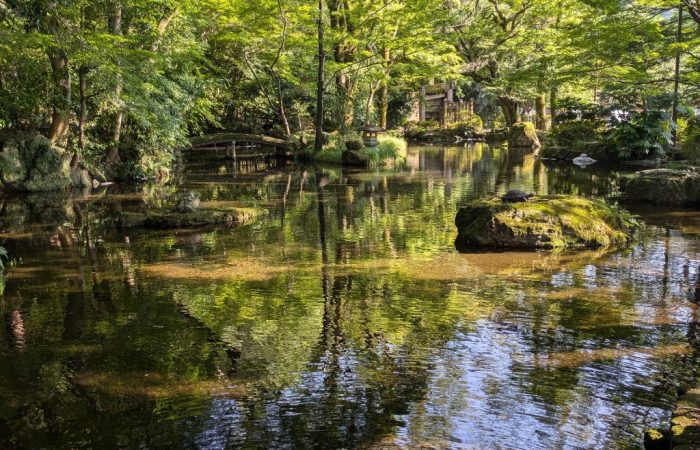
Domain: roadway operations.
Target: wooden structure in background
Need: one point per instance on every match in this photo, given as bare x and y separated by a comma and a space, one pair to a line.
242, 145
437, 102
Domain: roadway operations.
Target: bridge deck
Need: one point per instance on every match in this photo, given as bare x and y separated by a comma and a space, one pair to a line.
199, 142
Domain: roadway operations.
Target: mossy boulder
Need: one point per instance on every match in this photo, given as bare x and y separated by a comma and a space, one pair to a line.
555, 222
355, 158
663, 187
169, 219
354, 144
523, 135
34, 165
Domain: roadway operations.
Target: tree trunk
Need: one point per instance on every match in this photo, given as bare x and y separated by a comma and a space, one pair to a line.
82, 73
384, 96
344, 52
553, 107
280, 102
113, 151
384, 106
677, 80
60, 117
509, 106
541, 121
320, 88
370, 101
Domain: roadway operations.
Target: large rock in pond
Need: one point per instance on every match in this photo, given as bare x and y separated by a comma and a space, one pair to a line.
523, 135
34, 165
169, 219
663, 187
555, 222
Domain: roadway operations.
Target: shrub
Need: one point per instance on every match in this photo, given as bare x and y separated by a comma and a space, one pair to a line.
690, 139
570, 134
389, 149
468, 126
392, 148
639, 136
354, 144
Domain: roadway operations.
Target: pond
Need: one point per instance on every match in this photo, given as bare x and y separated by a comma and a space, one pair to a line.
345, 318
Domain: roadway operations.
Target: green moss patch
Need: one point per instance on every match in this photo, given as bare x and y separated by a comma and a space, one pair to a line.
168, 219
34, 165
523, 135
556, 222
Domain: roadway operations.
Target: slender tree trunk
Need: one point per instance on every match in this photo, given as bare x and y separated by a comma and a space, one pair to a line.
280, 102
113, 151
318, 146
370, 100
82, 73
539, 110
677, 79
553, 107
509, 106
384, 106
384, 93
60, 116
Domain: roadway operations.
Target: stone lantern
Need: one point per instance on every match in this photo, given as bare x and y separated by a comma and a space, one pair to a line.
370, 135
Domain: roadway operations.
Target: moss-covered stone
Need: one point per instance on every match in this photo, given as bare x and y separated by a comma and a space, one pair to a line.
355, 158
556, 222
168, 219
655, 439
685, 424
34, 165
663, 187
523, 135
354, 144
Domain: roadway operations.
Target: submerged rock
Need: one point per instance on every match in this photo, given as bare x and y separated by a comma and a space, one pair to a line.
663, 187
168, 219
555, 222
523, 135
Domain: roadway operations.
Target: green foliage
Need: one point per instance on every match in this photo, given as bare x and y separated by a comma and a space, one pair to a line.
642, 135
572, 133
391, 148
472, 123
690, 139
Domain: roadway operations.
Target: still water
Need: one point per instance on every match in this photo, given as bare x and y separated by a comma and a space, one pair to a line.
344, 319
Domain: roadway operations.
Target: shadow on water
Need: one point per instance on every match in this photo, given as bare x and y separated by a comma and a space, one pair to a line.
343, 319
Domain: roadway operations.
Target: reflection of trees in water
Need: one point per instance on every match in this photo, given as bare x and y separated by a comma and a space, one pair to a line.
325, 350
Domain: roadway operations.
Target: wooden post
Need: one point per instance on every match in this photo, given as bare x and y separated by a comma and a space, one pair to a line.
231, 150
444, 112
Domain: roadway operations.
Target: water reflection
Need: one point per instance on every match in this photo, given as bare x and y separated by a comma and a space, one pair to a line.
345, 319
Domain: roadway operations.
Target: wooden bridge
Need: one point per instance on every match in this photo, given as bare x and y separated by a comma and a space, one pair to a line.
239, 144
